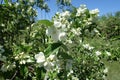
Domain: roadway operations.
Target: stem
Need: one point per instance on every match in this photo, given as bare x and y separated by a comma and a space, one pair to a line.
14, 75
46, 76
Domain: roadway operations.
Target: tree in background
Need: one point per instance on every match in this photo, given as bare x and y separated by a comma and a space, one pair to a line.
109, 25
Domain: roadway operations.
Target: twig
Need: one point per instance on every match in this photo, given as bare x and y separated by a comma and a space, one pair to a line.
14, 75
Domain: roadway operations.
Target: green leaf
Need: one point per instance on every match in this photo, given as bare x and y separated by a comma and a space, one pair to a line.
64, 55
53, 47
22, 70
45, 22
40, 73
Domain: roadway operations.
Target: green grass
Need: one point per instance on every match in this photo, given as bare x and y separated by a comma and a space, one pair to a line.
113, 70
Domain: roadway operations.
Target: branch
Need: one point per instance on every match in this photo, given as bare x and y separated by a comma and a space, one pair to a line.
14, 75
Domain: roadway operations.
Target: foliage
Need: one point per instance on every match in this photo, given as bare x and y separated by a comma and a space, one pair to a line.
109, 26
15, 17
58, 49
109, 29
50, 49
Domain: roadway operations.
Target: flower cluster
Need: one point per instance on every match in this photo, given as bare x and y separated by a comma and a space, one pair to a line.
87, 46
61, 24
49, 63
82, 13
95, 11
56, 34
81, 10
23, 58
8, 66
76, 31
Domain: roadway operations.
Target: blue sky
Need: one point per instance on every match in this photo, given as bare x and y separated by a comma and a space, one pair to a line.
104, 6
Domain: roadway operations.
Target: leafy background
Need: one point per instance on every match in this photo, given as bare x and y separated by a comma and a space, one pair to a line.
18, 33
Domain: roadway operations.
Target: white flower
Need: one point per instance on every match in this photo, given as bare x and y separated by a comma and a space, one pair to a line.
56, 34
80, 41
104, 77
58, 67
90, 19
65, 14
53, 32
96, 30
16, 4
22, 62
50, 62
2, 24
69, 73
29, 60
88, 23
10, 4
108, 53
63, 26
57, 24
48, 31
69, 41
52, 57
98, 53
83, 6
40, 58
76, 31
81, 10
95, 11
74, 78
62, 36
87, 46
105, 70
49, 65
